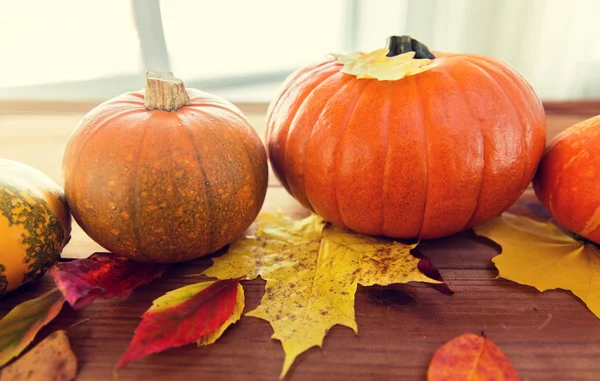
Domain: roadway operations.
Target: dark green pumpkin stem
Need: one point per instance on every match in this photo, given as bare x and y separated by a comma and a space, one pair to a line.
402, 44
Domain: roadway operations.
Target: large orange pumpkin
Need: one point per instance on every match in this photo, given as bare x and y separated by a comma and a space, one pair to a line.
164, 175
406, 144
568, 179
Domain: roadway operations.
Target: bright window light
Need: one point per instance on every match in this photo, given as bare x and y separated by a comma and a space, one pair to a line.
66, 40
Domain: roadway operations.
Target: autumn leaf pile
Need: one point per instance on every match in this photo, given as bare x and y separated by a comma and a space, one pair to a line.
312, 270
198, 313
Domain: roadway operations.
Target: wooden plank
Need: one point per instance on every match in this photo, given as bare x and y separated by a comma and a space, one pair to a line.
548, 336
586, 108
26, 107
8, 106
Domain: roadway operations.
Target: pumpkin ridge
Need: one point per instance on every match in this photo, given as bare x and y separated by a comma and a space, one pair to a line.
417, 91
45, 233
515, 110
515, 76
465, 96
560, 178
518, 81
386, 161
342, 86
292, 126
256, 191
350, 114
209, 195
508, 76
83, 145
285, 87
280, 172
99, 125
239, 117
312, 72
135, 212
312, 128
168, 139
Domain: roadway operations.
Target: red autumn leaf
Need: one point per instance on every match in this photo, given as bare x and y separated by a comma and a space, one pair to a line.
470, 357
181, 317
102, 275
426, 267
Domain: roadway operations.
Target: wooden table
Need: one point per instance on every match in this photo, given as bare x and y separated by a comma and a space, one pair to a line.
547, 336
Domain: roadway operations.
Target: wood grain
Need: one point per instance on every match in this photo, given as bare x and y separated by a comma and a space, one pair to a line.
547, 336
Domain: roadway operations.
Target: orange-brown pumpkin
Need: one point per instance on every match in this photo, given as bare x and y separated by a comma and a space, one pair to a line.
444, 145
568, 179
163, 176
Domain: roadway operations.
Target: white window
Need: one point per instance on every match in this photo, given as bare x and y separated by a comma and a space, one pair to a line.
93, 50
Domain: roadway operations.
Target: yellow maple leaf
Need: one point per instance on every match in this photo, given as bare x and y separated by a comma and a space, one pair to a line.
312, 270
377, 64
541, 255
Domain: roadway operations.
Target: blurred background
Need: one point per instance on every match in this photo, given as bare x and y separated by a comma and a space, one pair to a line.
83, 50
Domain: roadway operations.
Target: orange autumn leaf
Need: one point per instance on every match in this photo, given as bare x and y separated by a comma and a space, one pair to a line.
470, 358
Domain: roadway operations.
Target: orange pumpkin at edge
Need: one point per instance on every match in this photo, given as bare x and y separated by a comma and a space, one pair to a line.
450, 145
568, 180
165, 175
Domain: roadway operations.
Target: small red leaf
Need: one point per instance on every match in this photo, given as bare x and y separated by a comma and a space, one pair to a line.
181, 317
426, 267
470, 357
102, 275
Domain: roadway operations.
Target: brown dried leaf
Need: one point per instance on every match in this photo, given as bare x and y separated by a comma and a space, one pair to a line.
50, 360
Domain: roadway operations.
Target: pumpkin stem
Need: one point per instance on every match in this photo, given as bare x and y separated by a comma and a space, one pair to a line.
164, 91
403, 44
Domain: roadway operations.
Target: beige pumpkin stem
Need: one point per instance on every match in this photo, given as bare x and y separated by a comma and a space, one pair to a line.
164, 91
